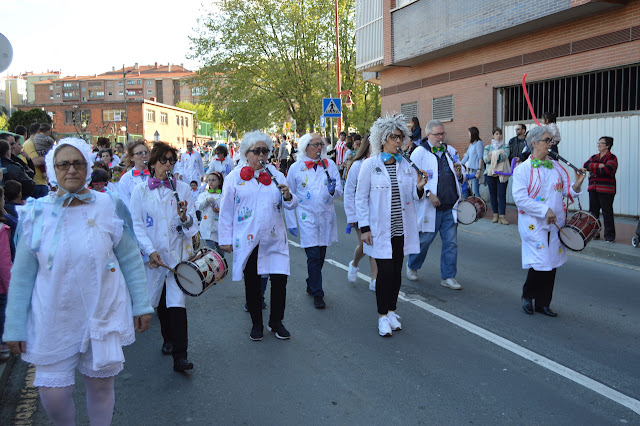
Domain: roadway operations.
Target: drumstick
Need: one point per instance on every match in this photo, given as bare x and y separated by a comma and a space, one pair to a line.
172, 270
560, 229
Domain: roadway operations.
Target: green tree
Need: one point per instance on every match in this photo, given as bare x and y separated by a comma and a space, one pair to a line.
270, 61
27, 118
4, 122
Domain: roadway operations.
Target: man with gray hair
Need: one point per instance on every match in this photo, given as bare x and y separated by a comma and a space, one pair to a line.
437, 210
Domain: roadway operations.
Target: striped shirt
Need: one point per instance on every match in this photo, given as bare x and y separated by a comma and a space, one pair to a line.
341, 149
396, 204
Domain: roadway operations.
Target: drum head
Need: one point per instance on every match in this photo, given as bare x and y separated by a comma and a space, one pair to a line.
188, 278
466, 212
573, 240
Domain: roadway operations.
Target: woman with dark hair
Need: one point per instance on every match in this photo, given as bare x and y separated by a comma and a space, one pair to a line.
473, 159
14, 170
602, 169
416, 132
221, 162
106, 156
22, 131
364, 151
496, 156
137, 152
164, 229
549, 120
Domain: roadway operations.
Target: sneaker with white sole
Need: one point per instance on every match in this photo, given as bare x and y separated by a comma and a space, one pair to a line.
372, 285
412, 275
384, 328
393, 321
451, 283
352, 275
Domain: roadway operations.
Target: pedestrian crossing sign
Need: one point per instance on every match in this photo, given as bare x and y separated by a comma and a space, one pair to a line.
332, 107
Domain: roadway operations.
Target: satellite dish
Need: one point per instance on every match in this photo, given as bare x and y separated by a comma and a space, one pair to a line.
6, 53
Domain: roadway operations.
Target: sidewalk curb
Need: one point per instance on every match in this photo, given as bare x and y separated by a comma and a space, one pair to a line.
614, 256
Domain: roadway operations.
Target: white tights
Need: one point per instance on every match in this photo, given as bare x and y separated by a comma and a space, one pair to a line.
59, 406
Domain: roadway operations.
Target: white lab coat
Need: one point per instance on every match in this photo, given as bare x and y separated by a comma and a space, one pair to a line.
316, 213
373, 206
209, 223
223, 167
350, 191
190, 167
155, 219
251, 215
428, 161
541, 246
127, 183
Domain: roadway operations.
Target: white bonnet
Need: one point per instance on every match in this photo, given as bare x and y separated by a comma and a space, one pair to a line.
81, 145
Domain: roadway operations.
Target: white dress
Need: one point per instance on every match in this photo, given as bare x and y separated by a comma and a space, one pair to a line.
190, 167
156, 224
251, 215
209, 223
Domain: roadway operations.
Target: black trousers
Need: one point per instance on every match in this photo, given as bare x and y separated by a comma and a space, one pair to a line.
253, 292
598, 201
389, 277
539, 286
173, 326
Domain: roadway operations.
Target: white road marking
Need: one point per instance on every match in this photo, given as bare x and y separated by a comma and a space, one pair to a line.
574, 376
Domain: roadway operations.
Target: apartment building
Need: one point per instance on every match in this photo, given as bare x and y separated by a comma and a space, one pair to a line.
463, 62
33, 78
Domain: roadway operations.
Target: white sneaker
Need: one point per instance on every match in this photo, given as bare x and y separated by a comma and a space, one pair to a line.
372, 285
352, 275
451, 283
384, 329
412, 275
393, 321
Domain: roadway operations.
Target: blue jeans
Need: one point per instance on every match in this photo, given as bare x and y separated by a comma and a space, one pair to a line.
497, 193
449, 235
475, 185
315, 260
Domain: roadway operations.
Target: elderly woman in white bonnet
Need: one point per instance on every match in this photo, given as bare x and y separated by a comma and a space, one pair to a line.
388, 188
78, 288
251, 226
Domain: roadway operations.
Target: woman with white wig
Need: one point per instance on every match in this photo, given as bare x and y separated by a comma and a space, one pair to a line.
315, 180
388, 188
77, 291
251, 226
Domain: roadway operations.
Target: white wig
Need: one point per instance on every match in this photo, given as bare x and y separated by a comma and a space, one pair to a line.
79, 144
252, 138
385, 127
304, 141
535, 134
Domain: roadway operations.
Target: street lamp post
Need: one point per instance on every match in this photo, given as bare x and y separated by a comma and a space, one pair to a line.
338, 85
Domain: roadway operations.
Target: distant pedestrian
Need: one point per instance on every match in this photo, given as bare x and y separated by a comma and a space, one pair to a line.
602, 169
496, 157
518, 144
473, 159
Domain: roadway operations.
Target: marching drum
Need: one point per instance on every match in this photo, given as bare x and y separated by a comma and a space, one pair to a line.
201, 271
471, 209
579, 230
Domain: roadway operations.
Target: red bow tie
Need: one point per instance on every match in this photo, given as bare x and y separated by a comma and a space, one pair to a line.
190, 152
155, 183
220, 159
139, 173
312, 163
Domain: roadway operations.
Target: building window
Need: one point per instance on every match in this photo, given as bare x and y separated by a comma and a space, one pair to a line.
177, 120
186, 122
601, 92
120, 83
149, 92
110, 93
443, 108
57, 95
96, 94
151, 115
77, 116
131, 82
70, 85
182, 121
164, 118
131, 92
120, 92
139, 82
409, 111
71, 95
51, 87
50, 96
113, 115
149, 82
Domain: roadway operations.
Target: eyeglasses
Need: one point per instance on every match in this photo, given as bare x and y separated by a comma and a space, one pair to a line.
258, 151
439, 134
171, 160
65, 165
316, 144
141, 153
546, 140
396, 137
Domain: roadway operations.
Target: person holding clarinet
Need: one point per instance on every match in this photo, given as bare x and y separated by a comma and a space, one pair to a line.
163, 222
315, 180
251, 226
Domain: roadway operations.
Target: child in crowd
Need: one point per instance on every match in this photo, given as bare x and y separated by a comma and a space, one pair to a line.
99, 179
106, 156
208, 202
42, 144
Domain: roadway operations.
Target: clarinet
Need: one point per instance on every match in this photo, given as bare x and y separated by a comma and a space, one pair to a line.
173, 188
404, 154
557, 157
325, 168
269, 172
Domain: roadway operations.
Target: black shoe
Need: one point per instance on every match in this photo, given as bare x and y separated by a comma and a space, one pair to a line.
281, 332
318, 302
527, 305
308, 290
546, 310
256, 333
167, 349
182, 364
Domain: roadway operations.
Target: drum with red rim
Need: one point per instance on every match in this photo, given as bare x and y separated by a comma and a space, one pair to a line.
579, 230
471, 209
201, 271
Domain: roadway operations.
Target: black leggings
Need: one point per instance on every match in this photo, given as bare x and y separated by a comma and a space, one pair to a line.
173, 326
253, 292
389, 277
539, 286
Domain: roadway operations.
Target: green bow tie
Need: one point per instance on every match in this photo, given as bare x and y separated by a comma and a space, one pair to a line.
436, 149
535, 163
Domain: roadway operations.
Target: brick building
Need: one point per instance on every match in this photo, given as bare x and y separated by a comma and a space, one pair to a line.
33, 78
95, 119
168, 84
462, 61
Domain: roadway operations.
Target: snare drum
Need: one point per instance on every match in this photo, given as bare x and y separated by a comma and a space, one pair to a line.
203, 270
471, 209
579, 230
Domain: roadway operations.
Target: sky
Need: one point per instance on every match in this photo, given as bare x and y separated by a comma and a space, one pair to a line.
92, 36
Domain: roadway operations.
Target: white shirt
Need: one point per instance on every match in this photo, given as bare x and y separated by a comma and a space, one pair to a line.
350, 191
223, 167
190, 167
209, 223
127, 182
